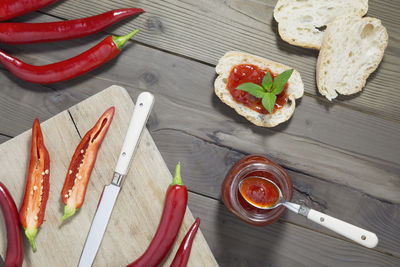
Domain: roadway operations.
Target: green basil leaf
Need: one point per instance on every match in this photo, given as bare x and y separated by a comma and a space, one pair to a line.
267, 81
253, 89
268, 102
280, 81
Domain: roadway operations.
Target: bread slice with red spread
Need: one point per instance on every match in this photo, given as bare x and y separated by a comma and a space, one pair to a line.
294, 88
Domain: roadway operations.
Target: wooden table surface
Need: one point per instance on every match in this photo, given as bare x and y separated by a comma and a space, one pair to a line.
343, 156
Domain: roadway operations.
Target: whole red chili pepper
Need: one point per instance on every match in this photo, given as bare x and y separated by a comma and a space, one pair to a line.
70, 68
14, 8
15, 249
183, 253
37, 187
82, 163
168, 228
23, 33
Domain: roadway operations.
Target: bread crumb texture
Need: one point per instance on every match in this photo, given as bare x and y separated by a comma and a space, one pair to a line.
352, 49
304, 22
295, 89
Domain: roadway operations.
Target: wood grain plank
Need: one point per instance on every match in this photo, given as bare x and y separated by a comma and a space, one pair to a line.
338, 125
209, 163
278, 244
204, 30
294, 152
4, 138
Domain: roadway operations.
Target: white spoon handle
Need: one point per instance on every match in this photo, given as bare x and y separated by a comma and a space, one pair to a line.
357, 234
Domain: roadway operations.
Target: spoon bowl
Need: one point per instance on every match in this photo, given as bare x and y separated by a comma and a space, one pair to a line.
280, 200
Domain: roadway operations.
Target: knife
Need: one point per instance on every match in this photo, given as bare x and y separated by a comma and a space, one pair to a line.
141, 112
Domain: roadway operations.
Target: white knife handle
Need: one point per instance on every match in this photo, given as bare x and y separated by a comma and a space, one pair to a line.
141, 112
357, 234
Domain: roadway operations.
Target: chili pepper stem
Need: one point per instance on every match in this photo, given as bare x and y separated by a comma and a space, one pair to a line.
31, 234
121, 40
68, 212
177, 178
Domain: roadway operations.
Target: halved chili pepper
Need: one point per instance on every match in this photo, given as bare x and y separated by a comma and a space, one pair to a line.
37, 187
183, 253
70, 68
15, 249
168, 228
23, 33
82, 163
14, 8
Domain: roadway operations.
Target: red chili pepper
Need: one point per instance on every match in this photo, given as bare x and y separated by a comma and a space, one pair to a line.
70, 68
23, 33
82, 163
14, 8
15, 249
168, 228
183, 253
37, 187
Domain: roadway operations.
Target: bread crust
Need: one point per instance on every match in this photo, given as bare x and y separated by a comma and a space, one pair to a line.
289, 40
322, 61
358, 7
295, 89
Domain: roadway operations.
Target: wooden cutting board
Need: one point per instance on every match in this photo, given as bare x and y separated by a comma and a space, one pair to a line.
137, 210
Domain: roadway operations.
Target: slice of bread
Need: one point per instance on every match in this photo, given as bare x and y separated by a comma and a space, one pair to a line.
352, 49
303, 22
295, 89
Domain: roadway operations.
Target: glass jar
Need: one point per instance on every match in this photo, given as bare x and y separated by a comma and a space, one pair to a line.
259, 166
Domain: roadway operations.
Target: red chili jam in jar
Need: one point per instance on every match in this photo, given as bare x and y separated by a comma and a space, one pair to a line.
255, 166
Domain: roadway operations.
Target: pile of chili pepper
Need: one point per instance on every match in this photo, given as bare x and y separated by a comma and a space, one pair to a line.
32, 211
24, 33
168, 228
31, 214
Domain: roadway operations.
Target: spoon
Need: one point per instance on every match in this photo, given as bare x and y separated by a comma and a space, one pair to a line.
357, 234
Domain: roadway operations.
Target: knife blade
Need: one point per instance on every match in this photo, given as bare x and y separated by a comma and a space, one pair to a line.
141, 112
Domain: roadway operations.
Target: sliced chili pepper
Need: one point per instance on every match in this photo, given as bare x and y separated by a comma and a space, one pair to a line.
24, 33
37, 187
14, 8
183, 253
82, 163
107, 49
168, 228
15, 249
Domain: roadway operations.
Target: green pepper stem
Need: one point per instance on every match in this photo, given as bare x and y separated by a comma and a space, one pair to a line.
31, 234
121, 40
177, 178
68, 212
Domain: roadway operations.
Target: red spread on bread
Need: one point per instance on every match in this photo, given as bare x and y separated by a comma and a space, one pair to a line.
245, 73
